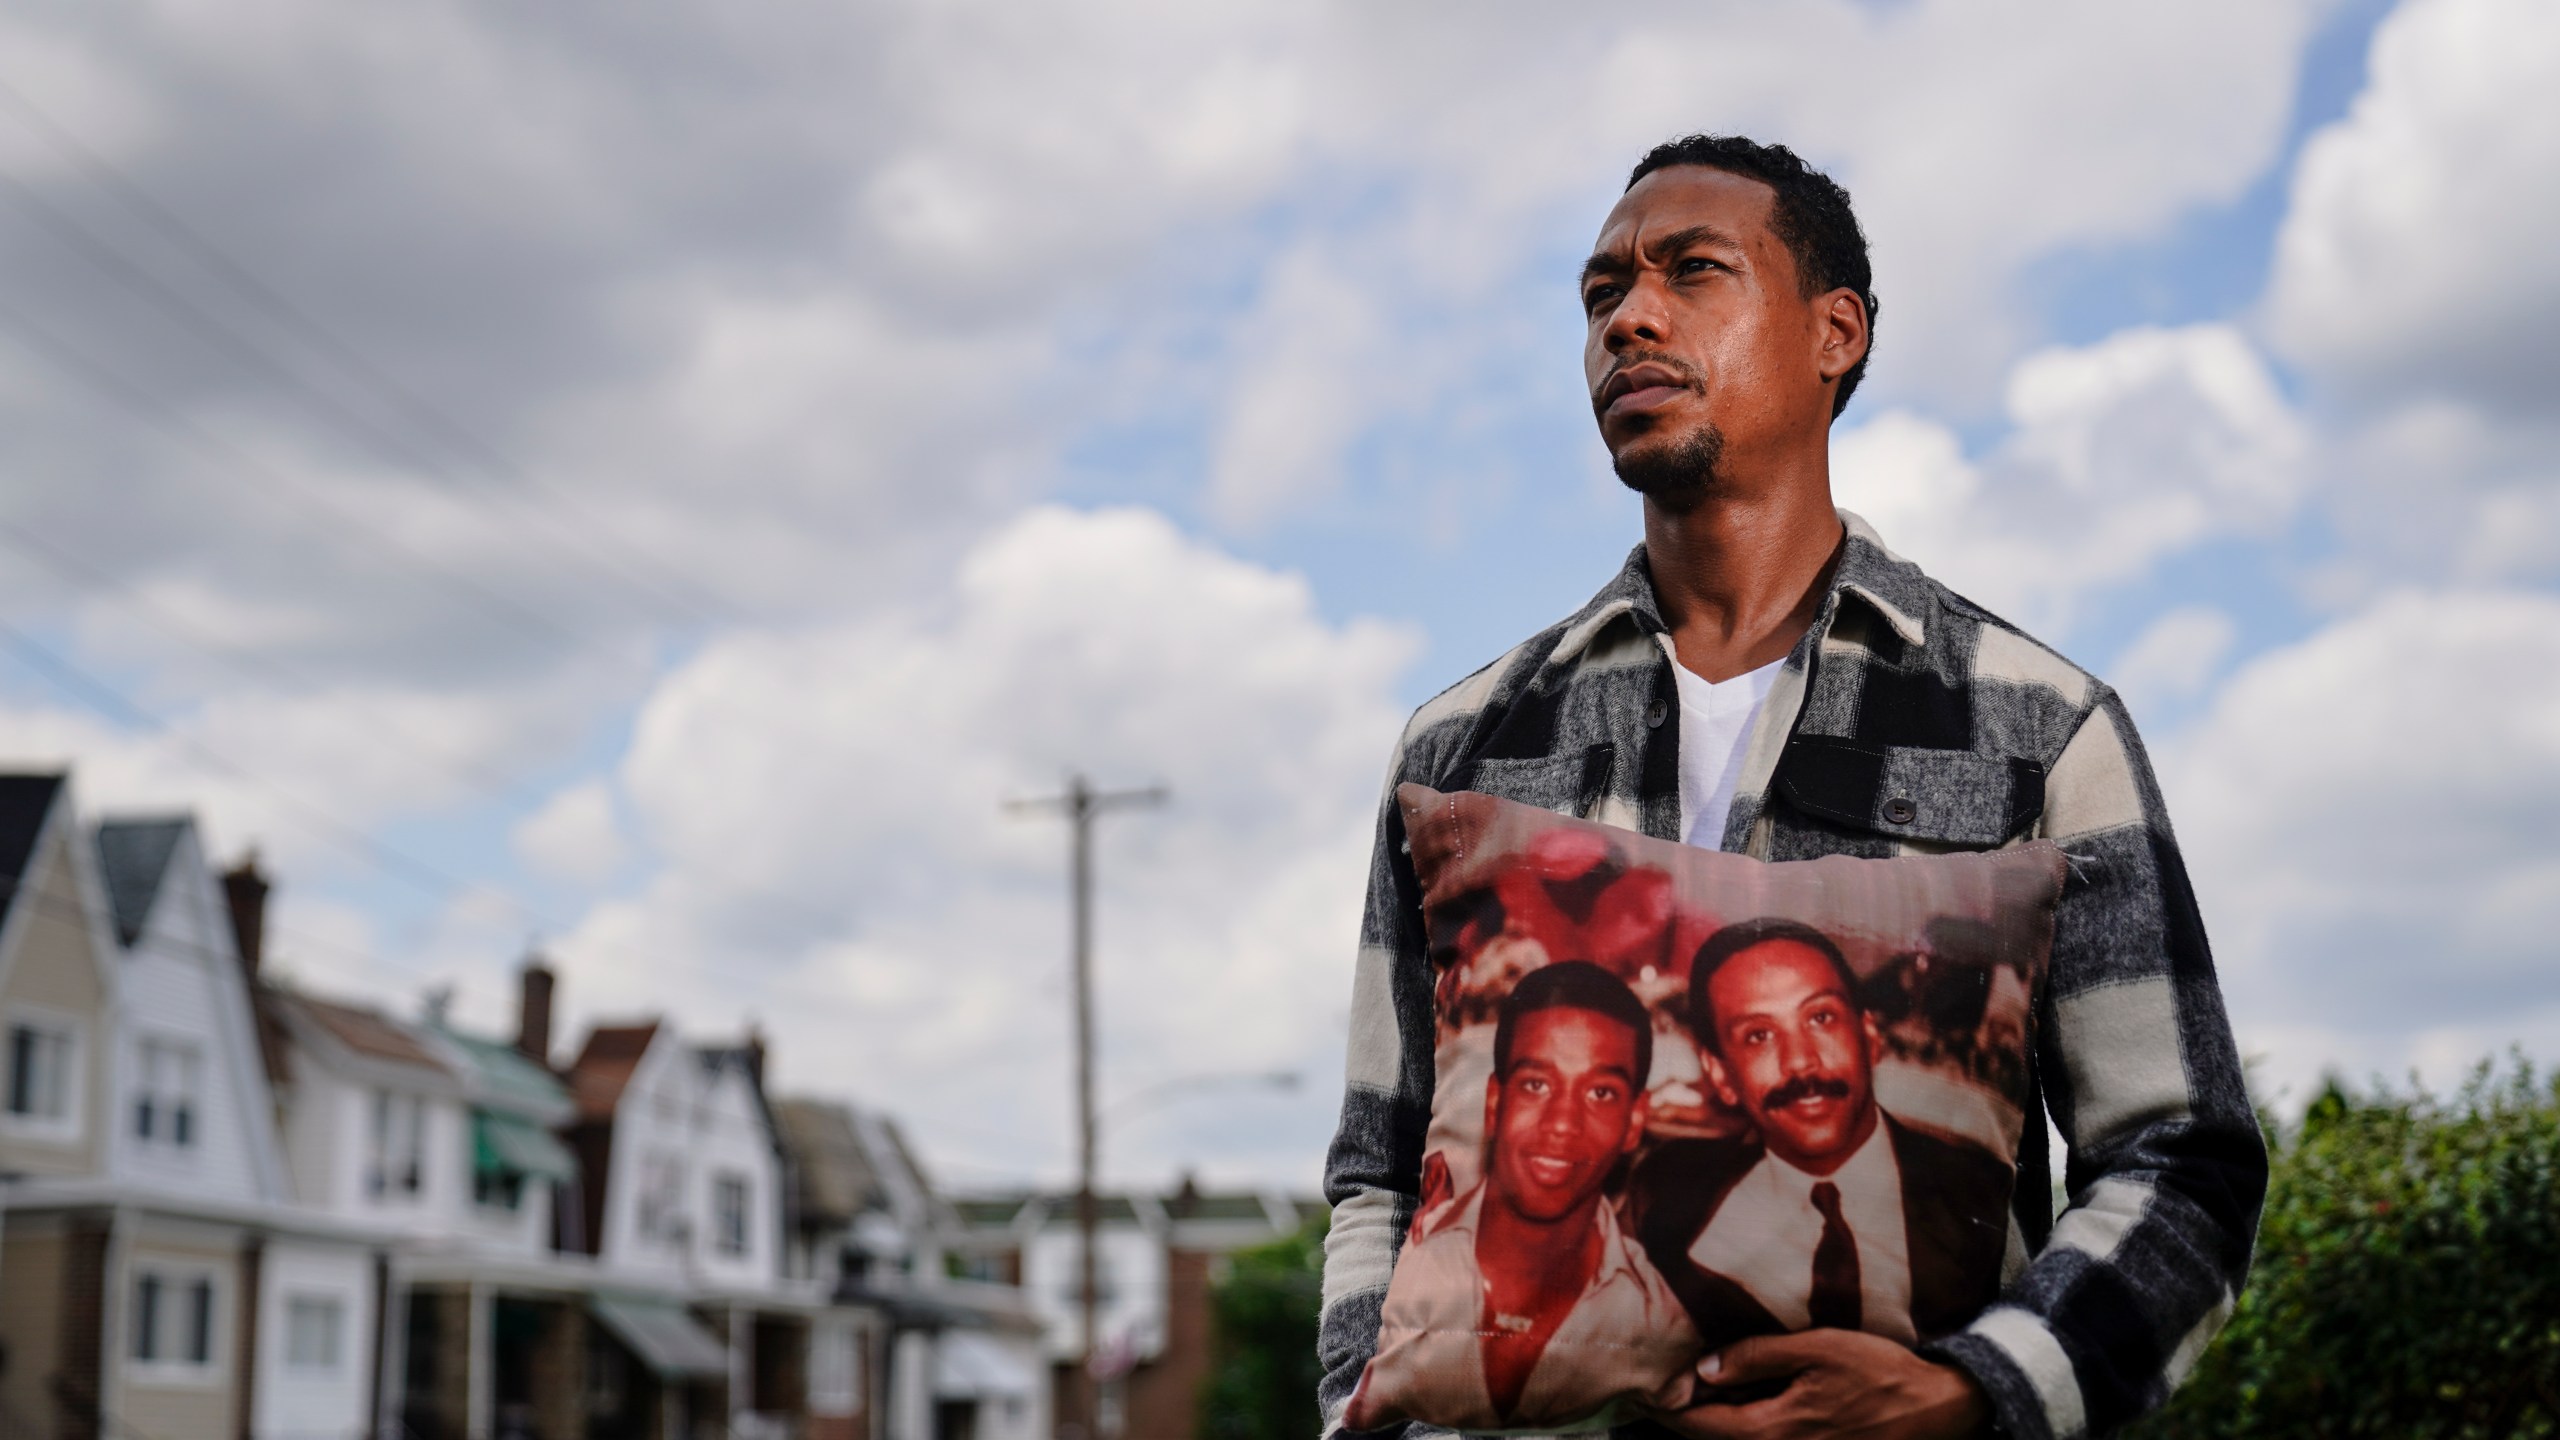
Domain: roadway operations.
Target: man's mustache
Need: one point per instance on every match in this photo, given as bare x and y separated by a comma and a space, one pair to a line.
1805, 1087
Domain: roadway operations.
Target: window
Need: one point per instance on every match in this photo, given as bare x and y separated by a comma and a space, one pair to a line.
498, 1189
662, 1200
172, 1327
729, 1214
312, 1325
44, 1072
164, 1104
397, 1164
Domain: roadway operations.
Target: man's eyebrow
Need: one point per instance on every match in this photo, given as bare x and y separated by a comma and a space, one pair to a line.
1606, 263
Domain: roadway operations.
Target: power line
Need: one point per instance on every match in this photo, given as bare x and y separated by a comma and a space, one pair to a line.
658, 584
52, 349
111, 703
63, 562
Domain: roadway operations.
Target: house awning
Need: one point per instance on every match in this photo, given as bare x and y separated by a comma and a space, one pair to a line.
510, 1144
973, 1365
666, 1339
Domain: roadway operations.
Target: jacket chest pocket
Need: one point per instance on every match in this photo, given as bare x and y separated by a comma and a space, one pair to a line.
1568, 784
1954, 798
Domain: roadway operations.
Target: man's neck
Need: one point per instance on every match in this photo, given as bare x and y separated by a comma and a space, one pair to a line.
1740, 577
1552, 1257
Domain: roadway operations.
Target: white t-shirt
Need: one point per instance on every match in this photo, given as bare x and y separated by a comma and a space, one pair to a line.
1715, 726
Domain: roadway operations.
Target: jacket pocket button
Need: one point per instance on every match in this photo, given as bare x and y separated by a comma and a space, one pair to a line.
1654, 714
1900, 811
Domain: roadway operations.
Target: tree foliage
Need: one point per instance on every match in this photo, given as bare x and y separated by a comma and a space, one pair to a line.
2408, 1275
1262, 1379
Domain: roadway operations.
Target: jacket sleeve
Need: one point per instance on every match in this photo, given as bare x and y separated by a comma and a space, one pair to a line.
2166, 1165
1373, 1171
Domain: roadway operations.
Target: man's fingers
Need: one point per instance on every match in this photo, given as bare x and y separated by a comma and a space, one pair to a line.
1761, 1357
1721, 1422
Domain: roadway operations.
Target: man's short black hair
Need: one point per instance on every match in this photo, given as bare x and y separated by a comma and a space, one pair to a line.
1732, 940
1574, 985
1812, 219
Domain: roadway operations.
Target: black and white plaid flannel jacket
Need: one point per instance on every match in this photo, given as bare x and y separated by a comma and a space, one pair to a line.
1907, 720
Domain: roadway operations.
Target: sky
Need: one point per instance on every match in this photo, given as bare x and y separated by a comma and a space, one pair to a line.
652, 483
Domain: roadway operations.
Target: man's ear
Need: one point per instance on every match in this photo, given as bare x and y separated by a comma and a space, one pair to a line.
1492, 1108
1875, 1040
1717, 1076
1635, 1122
1840, 332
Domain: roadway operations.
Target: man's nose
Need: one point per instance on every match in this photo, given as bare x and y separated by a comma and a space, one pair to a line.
1796, 1053
1641, 318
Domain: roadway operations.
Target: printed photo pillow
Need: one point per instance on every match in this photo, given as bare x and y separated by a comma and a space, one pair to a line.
1685, 1097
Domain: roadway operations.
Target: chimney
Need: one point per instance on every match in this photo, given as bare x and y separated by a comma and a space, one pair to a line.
533, 1012
245, 886
755, 1053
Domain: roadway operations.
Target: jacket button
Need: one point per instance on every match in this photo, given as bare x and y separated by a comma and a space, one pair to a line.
1900, 811
1654, 715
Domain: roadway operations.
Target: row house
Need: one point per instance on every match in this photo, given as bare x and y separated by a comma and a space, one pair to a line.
1157, 1257
917, 1347
158, 1275
230, 1207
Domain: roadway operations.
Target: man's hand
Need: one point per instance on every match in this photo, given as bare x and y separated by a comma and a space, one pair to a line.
1841, 1385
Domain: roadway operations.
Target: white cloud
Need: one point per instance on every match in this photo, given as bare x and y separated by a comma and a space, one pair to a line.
575, 836
828, 803
2416, 255
2122, 454
2368, 816
2173, 658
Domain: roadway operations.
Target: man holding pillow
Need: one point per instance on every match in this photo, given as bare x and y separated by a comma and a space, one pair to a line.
1765, 677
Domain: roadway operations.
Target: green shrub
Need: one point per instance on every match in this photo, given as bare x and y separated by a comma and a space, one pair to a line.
2408, 1275
1262, 1380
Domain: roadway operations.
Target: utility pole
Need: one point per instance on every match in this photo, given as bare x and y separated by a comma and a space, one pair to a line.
1081, 804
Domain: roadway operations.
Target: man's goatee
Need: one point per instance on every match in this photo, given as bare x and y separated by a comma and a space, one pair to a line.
1676, 477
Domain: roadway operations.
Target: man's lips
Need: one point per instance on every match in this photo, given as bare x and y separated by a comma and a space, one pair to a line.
1641, 387
1548, 1170
1649, 397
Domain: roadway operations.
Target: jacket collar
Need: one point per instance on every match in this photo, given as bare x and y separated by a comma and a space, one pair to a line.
1869, 574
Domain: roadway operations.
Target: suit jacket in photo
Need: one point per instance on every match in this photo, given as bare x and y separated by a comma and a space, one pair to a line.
1955, 1213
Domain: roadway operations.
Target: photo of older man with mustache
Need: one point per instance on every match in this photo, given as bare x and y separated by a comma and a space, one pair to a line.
1832, 1213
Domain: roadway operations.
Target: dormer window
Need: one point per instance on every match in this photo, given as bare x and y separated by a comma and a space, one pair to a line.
729, 1214
170, 1076
396, 1158
662, 1200
43, 1080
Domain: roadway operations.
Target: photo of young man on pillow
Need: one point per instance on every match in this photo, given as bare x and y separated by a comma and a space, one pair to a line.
1518, 1309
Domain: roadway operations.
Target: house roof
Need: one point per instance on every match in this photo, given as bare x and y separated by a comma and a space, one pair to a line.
603, 1068
833, 1177
133, 858
1003, 1210
367, 1033
25, 801
507, 1079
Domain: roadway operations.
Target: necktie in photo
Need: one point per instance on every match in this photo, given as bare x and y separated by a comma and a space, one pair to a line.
1837, 1296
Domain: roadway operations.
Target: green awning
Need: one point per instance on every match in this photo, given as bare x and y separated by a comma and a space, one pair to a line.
504, 1144
666, 1339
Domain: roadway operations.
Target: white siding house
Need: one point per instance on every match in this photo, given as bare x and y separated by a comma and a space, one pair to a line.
192, 1113
693, 1184
195, 1124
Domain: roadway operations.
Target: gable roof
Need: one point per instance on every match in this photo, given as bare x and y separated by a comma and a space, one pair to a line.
601, 1071
25, 801
368, 1034
133, 859
832, 1175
